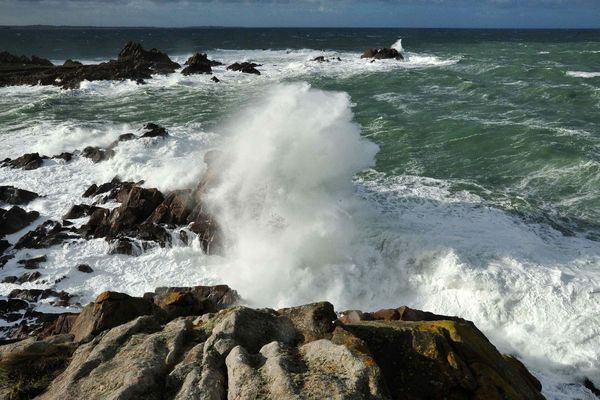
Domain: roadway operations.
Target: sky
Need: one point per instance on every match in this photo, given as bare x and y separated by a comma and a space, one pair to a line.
305, 13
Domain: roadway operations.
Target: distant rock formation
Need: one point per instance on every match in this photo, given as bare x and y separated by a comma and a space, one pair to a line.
384, 53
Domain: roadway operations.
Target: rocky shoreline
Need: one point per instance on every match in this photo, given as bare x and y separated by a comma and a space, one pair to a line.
132, 63
198, 343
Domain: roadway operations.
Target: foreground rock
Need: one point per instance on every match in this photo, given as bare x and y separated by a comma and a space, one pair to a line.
137, 348
27, 161
383, 53
14, 219
133, 63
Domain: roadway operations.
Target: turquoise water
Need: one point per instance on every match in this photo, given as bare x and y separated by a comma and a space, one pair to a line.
483, 199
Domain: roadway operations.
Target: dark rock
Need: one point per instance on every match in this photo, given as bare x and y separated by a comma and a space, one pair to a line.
4, 245
589, 385
14, 219
29, 277
191, 301
175, 208
198, 64
110, 309
15, 196
113, 190
4, 259
126, 137
48, 234
91, 191
215, 79
64, 156
12, 305
320, 59
96, 154
9, 59
10, 279
154, 59
245, 67
383, 53
85, 268
27, 161
80, 211
138, 206
154, 130
124, 246
72, 63
33, 263
34, 295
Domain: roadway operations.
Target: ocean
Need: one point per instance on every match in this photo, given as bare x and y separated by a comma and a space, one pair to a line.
463, 181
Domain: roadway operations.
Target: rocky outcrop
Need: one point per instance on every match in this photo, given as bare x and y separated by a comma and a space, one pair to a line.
26, 161
245, 67
383, 53
199, 64
133, 63
243, 353
16, 196
48, 234
154, 59
14, 219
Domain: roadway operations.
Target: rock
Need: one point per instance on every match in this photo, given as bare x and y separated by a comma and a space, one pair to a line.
33, 263
313, 321
27, 161
29, 277
154, 130
126, 137
110, 309
190, 301
5, 259
175, 208
245, 67
61, 298
10, 279
72, 63
64, 156
125, 246
128, 362
442, 359
85, 268
80, 211
382, 53
154, 59
9, 59
138, 206
198, 64
215, 79
15, 196
113, 190
96, 154
48, 234
14, 219
30, 365
4, 245
320, 59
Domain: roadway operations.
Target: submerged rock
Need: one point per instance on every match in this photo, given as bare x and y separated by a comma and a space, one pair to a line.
383, 53
97, 154
154, 130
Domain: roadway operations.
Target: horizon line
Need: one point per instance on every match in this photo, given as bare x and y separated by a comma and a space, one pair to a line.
284, 27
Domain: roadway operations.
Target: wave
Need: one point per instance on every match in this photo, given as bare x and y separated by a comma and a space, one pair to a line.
580, 74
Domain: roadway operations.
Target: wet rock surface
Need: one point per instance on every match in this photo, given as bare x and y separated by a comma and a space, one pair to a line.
195, 343
27, 161
133, 63
14, 219
16, 196
199, 64
245, 67
382, 53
